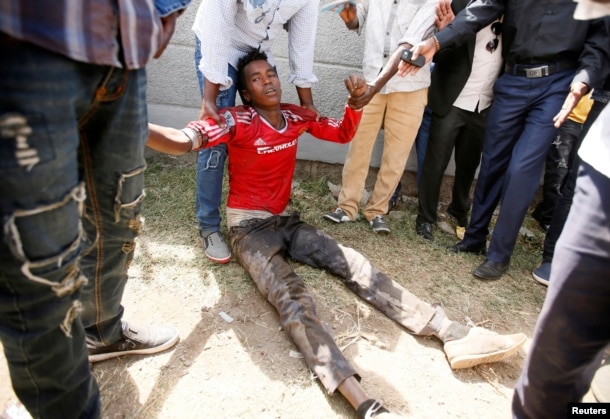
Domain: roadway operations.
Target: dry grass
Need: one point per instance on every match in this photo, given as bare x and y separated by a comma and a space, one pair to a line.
248, 368
428, 270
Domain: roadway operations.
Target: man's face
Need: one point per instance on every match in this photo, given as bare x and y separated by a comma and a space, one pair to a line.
263, 87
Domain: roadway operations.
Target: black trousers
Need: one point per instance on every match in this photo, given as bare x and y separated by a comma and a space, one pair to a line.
460, 130
556, 168
564, 201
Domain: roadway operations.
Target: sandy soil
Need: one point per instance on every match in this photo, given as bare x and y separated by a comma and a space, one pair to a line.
250, 368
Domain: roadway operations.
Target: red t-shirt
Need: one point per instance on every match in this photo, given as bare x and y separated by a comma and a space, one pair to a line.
262, 158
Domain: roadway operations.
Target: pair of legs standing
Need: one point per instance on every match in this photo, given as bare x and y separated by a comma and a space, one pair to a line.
72, 169
518, 134
561, 208
210, 172
572, 330
460, 130
400, 115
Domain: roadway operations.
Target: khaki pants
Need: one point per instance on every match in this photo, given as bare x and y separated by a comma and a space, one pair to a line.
400, 115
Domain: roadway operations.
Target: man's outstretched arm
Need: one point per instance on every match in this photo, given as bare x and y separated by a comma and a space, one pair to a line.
171, 140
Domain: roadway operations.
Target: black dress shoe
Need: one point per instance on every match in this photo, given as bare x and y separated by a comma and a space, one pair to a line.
424, 230
491, 270
460, 247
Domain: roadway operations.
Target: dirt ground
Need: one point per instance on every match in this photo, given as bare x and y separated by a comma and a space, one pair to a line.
249, 367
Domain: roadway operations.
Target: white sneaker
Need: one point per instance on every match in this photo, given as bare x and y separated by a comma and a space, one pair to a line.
482, 346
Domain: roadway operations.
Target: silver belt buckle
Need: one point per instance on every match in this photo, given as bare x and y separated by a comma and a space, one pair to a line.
531, 73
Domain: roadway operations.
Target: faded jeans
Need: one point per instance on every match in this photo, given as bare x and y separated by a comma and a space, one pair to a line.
211, 161
262, 247
72, 138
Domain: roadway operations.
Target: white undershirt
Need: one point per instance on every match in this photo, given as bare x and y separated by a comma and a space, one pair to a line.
486, 66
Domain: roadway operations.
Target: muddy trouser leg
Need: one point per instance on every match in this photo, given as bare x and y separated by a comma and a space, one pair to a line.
261, 249
41, 202
312, 247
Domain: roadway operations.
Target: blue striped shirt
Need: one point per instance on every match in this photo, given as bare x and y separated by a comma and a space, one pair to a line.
119, 33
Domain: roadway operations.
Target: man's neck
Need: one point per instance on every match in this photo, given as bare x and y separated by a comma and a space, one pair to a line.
274, 116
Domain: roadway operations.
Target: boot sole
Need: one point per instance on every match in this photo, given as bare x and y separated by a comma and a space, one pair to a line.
469, 361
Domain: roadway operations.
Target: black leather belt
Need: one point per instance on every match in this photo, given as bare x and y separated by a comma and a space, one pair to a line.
532, 71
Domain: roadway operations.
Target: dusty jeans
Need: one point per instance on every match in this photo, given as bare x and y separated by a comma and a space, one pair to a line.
262, 247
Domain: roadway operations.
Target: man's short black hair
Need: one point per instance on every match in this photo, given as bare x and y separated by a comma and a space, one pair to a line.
253, 55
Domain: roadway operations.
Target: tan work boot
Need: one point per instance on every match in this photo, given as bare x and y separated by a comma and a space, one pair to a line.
481, 346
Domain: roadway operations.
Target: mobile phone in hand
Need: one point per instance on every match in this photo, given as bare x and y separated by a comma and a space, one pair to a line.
406, 57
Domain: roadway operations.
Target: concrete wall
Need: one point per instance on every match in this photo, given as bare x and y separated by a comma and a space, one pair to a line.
173, 91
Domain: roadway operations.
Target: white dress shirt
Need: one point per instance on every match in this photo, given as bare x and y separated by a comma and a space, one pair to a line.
228, 29
486, 67
388, 24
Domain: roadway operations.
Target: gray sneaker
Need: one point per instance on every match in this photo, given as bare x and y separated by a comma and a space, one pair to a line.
379, 225
215, 247
137, 340
337, 216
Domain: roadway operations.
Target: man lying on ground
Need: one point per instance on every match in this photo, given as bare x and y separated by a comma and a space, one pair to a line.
262, 144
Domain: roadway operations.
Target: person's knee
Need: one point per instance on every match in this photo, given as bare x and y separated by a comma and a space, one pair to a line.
212, 159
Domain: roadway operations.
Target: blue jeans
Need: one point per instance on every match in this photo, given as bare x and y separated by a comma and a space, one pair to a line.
573, 329
72, 141
421, 143
211, 161
518, 135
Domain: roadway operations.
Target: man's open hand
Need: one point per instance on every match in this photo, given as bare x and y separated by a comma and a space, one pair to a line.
444, 14
577, 91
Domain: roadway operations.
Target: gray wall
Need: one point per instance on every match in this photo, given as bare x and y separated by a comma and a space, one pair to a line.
173, 91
